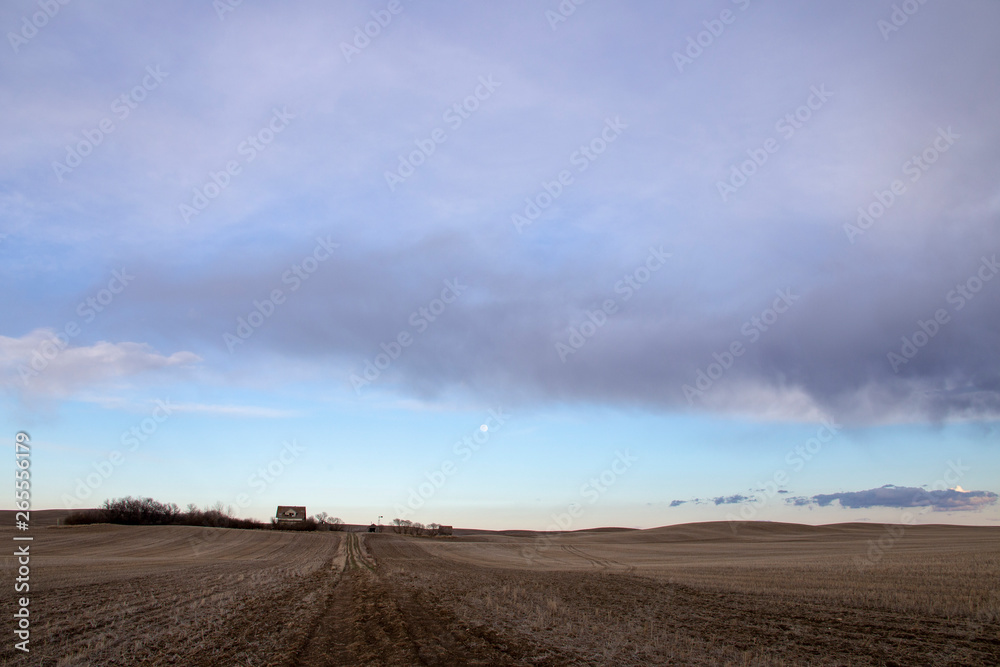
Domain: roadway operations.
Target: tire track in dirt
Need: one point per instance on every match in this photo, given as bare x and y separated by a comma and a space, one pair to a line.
328, 642
601, 563
361, 556
346, 632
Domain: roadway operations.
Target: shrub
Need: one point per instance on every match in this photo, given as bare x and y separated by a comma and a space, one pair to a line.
81, 517
140, 511
146, 512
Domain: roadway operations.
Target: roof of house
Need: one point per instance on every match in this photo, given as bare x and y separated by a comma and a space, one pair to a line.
291, 513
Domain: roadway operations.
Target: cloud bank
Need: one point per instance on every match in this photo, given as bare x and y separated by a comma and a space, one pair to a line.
907, 496
852, 273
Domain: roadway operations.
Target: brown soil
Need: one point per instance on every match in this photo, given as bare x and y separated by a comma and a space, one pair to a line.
689, 595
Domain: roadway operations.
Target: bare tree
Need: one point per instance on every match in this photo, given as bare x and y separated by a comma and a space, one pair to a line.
222, 508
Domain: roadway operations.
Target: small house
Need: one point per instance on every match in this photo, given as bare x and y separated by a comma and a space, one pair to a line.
290, 514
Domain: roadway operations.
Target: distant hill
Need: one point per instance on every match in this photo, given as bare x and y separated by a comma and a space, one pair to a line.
38, 518
707, 531
718, 531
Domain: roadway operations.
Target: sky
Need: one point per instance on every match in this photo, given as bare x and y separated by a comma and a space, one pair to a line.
525, 265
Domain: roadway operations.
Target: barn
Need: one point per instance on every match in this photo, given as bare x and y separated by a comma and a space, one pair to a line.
290, 513
445, 530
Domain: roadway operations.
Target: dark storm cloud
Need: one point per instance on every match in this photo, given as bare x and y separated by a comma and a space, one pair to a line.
500, 336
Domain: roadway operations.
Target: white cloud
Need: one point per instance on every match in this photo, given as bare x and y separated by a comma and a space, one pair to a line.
42, 364
762, 402
234, 410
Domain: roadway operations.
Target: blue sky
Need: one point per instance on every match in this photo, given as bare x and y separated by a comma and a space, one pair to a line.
658, 252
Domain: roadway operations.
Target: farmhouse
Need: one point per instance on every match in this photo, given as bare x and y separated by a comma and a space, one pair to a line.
290, 514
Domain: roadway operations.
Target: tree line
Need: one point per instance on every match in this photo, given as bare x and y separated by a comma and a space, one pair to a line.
131, 511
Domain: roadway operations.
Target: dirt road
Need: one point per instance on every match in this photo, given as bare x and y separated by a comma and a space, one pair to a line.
368, 619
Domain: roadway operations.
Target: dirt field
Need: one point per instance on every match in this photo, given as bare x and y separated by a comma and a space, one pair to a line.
768, 594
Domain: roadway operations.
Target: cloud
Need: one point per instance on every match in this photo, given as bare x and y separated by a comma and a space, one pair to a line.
234, 410
731, 500
42, 364
904, 496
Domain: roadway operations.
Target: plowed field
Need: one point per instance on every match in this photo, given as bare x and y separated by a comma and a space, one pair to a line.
768, 594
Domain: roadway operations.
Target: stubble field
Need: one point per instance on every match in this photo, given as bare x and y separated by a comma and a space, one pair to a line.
700, 594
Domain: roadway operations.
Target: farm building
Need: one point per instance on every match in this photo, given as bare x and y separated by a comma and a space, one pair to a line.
444, 530
291, 513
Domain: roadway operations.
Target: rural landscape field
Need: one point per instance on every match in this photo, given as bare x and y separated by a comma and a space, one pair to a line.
566, 332
697, 594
